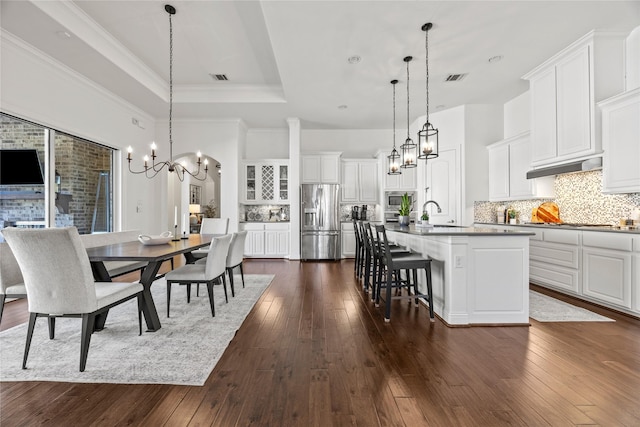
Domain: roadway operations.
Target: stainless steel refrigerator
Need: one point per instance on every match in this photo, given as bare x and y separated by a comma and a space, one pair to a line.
320, 221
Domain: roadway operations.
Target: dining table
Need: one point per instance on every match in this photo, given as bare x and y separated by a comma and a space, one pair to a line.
154, 256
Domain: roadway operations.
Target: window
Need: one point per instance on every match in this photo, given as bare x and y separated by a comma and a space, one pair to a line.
82, 184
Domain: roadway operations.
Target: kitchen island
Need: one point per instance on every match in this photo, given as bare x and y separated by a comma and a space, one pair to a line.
480, 275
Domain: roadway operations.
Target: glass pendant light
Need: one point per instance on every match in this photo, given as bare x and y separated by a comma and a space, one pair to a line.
428, 136
409, 148
394, 158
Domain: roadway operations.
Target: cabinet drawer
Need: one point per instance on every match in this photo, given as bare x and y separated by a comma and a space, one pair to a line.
555, 254
252, 226
607, 241
282, 226
561, 278
569, 237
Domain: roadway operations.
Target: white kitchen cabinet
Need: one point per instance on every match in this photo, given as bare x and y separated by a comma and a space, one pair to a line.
406, 181
554, 260
621, 143
265, 182
565, 124
509, 161
266, 240
348, 240
320, 168
607, 260
359, 181
635, 278
443, 179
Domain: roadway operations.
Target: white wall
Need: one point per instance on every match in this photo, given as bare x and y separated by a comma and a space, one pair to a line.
39, 89
266, 144
632, 68
353, 143
517, 115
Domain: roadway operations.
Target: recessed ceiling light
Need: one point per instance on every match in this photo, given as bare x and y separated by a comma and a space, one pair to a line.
342, 107
496, 58
354, 59
63, 35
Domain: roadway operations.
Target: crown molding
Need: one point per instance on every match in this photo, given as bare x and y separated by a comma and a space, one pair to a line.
74, 19
229, 93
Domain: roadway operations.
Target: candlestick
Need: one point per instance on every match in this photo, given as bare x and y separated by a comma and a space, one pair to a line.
175, 234
175, 217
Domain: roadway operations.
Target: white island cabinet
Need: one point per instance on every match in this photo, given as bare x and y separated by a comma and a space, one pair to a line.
480, 275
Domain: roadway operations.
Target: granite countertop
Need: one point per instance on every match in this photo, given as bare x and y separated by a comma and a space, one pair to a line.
602, 228
453, 230
263, 222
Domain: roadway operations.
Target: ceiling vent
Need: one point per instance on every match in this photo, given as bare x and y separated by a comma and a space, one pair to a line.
219, 77
455, 77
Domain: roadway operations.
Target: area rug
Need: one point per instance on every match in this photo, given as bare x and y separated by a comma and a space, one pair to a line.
544, 308
184, 351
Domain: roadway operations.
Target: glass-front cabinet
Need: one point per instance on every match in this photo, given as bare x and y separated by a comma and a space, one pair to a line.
266, 182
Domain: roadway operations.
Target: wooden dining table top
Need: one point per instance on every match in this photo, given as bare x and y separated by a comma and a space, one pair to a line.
136, 251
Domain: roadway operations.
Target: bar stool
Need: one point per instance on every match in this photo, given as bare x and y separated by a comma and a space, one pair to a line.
394, 263
374, 260
358, 263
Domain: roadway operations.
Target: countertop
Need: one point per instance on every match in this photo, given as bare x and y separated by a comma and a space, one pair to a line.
601, 228
263, 222
453, 230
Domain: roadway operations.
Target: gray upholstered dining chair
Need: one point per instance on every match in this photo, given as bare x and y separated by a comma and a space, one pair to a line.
59, 282
211, 226
212, 270
11, 281
236, 256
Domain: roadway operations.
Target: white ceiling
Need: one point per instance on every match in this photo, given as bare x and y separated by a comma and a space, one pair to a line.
289, 58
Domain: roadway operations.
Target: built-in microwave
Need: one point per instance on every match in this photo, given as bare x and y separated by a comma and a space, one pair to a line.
393, 199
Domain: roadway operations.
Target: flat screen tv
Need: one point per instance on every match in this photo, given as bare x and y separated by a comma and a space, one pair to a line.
20, 167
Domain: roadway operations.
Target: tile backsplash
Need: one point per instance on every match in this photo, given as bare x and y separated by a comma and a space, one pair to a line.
578, 196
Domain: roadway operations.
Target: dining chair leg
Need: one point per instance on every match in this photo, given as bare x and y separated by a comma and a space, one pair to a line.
430, 291
415, 286
27, 345
242, 275
87, 329
188, 293
2, 298
211, 302
223, 282
230, 273
168, 297
140, 303
52, 327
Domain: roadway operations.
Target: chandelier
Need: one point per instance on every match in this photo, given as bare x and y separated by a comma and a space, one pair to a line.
428, 136
394, 167
409, 148
151, 170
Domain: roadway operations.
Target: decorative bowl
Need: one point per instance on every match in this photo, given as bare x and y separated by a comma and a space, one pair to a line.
162, 239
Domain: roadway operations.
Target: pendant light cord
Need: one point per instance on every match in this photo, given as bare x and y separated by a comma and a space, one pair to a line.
394, 115
408, 137
170, 89
426, 43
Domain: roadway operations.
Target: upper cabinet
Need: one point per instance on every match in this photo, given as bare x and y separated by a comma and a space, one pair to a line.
509, 161
407, 180
265, 182
320, 168
565, 123
359, 181
621, 143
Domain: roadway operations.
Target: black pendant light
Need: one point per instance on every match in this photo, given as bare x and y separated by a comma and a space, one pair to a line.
181, 170
428, 136
409, 148
394, 158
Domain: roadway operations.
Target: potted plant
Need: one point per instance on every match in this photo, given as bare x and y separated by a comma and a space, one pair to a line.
405, 210
512, 213
425, 217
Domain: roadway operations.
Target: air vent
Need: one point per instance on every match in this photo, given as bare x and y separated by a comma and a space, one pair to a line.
219, 77
455, 77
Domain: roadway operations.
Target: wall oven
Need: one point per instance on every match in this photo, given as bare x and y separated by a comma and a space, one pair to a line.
392, 199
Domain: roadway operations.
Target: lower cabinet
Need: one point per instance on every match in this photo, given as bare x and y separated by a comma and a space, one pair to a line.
266, 240
348, 242
601, 267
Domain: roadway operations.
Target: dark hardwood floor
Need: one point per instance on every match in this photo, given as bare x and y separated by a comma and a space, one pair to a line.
315, 352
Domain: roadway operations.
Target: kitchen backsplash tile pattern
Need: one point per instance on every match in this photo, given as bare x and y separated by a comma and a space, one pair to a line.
373, 212
579, 198
264, 213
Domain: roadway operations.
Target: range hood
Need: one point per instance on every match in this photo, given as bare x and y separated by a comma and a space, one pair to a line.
580, 166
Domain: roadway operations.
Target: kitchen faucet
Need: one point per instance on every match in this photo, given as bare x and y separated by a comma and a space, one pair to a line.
424, 207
